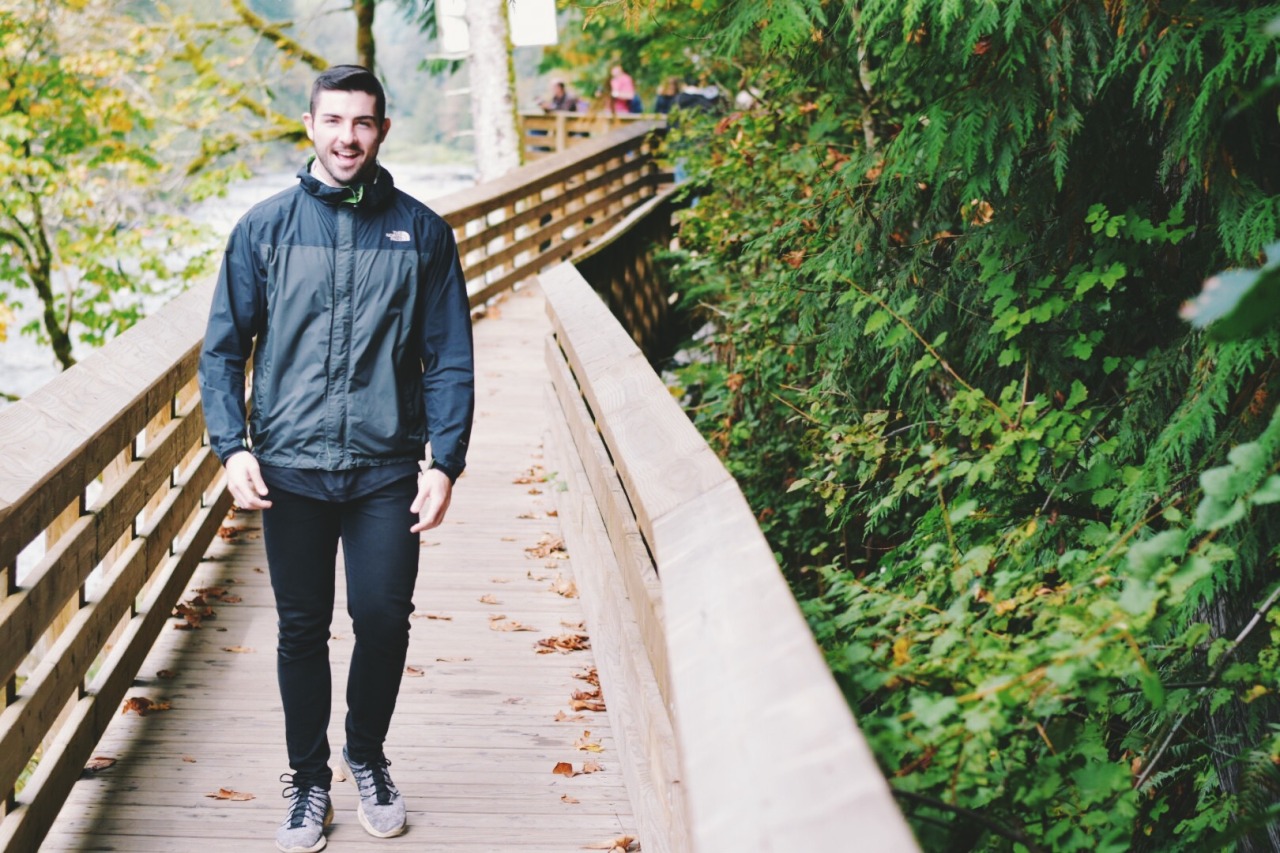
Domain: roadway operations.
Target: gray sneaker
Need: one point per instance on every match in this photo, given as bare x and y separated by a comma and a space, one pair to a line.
309, 813
381, 806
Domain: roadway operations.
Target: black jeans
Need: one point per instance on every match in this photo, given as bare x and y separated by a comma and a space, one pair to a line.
381, 557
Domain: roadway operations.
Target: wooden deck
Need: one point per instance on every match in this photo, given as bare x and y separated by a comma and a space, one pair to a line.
475, 737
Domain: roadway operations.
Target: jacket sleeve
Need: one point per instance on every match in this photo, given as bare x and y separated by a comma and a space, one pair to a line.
448, 377
239, 306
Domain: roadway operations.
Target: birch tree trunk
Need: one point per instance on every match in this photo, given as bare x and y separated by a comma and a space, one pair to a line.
493, 107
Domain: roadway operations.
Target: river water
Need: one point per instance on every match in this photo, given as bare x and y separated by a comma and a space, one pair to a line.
25, 364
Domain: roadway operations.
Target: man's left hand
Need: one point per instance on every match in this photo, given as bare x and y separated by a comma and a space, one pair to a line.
434, 492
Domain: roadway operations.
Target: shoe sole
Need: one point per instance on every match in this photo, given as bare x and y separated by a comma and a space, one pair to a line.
364, 821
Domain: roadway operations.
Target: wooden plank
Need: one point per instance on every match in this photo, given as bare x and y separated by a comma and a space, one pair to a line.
62, 764
662, 460
25, 723
647, 740
635, 565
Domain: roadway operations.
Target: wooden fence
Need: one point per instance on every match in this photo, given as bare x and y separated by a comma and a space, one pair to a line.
548, 133
733, 733
109, 466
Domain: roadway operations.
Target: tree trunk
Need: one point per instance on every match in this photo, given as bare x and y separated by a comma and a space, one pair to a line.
365, 47
493, 103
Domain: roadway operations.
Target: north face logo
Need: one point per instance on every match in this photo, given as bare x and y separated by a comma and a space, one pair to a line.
398, 236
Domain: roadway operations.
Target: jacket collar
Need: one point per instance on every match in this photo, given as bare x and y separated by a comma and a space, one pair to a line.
368, 196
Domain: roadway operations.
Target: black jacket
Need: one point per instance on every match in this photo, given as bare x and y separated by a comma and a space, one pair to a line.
355, 309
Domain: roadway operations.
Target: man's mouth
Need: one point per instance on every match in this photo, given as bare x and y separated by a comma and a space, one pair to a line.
347, 156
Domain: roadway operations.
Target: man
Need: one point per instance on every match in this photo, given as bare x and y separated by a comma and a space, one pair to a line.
350, 297
560, 100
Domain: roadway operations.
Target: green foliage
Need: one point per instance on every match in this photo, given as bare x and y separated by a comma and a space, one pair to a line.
1026, 509
81, 169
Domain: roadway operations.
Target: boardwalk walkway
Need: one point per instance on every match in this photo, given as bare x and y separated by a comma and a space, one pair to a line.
475, 738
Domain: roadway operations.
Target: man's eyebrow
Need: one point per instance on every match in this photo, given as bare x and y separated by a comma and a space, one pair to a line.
357, 118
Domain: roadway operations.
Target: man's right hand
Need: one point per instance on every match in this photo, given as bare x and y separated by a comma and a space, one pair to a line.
244, 480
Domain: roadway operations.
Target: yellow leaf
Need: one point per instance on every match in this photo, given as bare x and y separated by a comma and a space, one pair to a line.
902, 651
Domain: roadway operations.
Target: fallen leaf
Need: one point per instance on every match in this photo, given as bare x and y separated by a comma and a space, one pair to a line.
489, 599
190, 759
339, 772
574, 626
228, 794
232, 599
564, 768
548, 546
414, 671
504, 624
508, 538
562, 717
535, 474
591, 767
258, 569
531, 576
240, 650
425, 544
573, 801
529, 515
452, 660
535, 491
438, 616
564, 644
586, 705
567, 588
552, 513
211, 591
99, 762
142, 706
586, 744
591, 676
621, 843
584, 695
166, 673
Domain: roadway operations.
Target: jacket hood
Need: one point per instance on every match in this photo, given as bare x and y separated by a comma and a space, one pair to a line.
364, 196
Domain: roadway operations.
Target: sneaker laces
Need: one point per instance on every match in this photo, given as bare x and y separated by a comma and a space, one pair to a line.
374, 773
305, 802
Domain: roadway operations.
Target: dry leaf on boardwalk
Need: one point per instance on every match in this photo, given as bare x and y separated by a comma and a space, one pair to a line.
502, 623
211, 591
564, 644
166, 673
529, 515
549, 545
567, 588
142, 706
193, 612
508, 538
240, 650
621, 844
499, 580
228, 794
574, 626
535, 474
259, 569
231, 534
591, 767
553, 513
488, 598
190, 759
452, 660
573, 801
535, 491
562, 717
441, 617
564, 768
586, 744
586, 705
99, 762
231, 599
539, 577
414, 671
591, 676
584, 695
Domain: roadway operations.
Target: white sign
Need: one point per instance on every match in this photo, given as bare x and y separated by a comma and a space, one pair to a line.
532, 22
451, 22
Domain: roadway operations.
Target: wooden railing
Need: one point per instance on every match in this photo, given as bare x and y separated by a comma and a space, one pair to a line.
733, 733
548, 133
108, 466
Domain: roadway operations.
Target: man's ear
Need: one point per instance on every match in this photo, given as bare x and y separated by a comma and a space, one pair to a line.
386, 128
306, 121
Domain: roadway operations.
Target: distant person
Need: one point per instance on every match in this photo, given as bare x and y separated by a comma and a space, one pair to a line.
560, 100
666, 98
348, 295
695, 97
622, 90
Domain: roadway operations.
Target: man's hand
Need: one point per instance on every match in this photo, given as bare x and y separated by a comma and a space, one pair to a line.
244, 480
434, 492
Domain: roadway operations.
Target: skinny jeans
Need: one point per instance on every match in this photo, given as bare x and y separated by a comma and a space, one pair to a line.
381, 556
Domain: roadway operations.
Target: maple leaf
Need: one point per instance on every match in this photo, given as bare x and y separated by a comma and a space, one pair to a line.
586, 705
502, 623
570, 800
621, 844
567, 588
142, 706
591, 676
564, 768
489, 599
591, 767
99, 762
585, 743
562, 717
414, 671
564, 644
548, 546
228, 794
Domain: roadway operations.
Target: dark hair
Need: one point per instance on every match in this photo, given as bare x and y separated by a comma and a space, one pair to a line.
351, 78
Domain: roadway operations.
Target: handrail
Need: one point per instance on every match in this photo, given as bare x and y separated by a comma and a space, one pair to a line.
128, 417
769, 755
546, 133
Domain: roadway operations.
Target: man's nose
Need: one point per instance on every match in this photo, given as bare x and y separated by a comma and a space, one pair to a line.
347, 133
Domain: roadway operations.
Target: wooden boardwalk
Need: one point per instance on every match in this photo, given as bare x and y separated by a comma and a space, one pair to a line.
475, 738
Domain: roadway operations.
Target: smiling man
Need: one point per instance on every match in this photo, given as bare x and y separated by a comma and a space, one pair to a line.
349, 295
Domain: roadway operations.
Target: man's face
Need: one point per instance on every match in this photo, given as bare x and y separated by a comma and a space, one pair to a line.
346, 134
